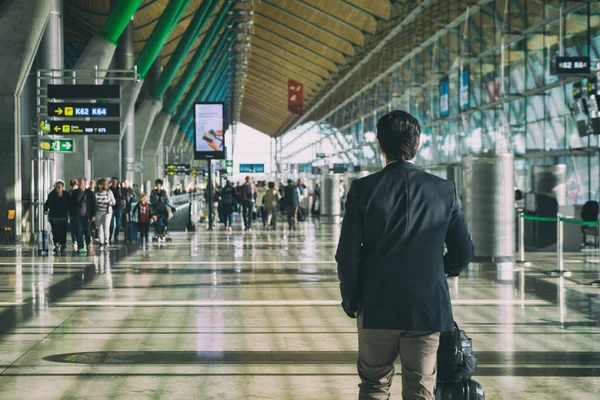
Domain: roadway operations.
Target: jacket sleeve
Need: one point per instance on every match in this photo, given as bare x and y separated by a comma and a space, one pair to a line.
48, 202
92, 199
111, 199
348, 255
458, 241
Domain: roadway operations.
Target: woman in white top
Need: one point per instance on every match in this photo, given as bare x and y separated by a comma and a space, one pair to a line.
104, 202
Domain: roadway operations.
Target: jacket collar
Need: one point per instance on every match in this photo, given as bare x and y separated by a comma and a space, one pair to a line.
396, 164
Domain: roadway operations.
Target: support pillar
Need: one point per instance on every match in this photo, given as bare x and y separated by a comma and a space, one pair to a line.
172, 133
51, 56
125, 60
19, 47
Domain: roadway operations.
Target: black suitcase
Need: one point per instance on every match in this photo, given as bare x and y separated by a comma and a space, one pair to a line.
467, 389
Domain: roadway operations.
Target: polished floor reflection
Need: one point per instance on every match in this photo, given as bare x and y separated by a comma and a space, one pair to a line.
215, 315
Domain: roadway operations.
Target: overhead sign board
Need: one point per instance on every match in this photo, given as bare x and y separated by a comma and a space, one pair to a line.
252, 168
84, 110
321, 155
57, 145
339, 168
444, 97
85, 128
463, 89
93, 92
226, 163
209, 131
572, 65
178, 169
295, 97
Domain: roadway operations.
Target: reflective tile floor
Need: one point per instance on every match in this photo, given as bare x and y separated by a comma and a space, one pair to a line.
214, 315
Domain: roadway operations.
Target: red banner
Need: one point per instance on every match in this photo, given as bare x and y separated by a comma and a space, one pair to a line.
295, 97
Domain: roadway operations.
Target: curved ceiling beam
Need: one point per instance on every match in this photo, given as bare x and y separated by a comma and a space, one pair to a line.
347, 24
191, 70
295, 74
331, 32
183, 48
160, 34
293, 55
310, 38
285, 60
270, 32
267, 69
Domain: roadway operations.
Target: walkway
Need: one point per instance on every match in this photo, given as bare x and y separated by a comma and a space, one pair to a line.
257, 316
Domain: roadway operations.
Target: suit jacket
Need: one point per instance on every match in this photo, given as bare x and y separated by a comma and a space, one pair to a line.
390, 256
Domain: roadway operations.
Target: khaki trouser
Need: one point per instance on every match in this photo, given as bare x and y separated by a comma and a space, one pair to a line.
379, 348
272, 216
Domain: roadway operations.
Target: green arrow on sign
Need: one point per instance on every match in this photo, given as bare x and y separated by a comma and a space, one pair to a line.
57, 145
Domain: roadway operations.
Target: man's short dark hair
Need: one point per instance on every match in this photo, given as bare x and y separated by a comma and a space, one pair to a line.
158, 182
290, 182
271, 185
398, 133
114, 178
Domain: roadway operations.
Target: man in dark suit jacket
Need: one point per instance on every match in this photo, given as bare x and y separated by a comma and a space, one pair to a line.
392, 266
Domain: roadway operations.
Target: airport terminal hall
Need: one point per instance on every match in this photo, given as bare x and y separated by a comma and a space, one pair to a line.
300, 199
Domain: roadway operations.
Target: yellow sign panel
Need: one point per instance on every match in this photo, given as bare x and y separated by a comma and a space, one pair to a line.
66, 128
68, 111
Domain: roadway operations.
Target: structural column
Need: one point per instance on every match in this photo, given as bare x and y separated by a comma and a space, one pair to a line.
19, 47
125, 60
51, 56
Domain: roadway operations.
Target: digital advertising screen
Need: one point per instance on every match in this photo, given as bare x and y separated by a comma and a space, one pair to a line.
463, 89
209, 143
444, 97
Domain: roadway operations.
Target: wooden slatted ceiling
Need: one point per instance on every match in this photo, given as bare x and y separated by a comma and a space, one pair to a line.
311, 41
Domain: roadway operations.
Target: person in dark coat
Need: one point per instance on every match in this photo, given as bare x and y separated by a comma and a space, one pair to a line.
83, 209
392, 266
57, 209
291, 198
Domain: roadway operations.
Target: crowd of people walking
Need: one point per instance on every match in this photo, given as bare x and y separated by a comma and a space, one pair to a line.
101, 210
262, 202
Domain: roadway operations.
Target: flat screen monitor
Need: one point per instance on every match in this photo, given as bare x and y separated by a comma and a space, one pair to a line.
209, 133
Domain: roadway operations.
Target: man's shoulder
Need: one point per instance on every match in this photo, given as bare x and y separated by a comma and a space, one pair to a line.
367, 181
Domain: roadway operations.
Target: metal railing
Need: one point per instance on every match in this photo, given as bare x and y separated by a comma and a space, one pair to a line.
560, 220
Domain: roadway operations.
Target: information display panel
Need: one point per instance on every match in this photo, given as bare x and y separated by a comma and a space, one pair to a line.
84, 110
573, 65
85, 128
95, 92
209, 134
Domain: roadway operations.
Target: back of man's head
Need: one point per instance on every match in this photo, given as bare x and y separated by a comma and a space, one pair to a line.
398, 134
290, 182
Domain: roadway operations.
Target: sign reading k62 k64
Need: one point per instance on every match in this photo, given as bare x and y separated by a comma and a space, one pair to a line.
84, 110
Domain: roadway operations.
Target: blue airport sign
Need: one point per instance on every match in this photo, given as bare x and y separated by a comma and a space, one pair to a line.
444, 97
252, 168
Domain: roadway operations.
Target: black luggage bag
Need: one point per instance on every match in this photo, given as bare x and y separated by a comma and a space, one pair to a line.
456, 366
467, 389
456, 361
